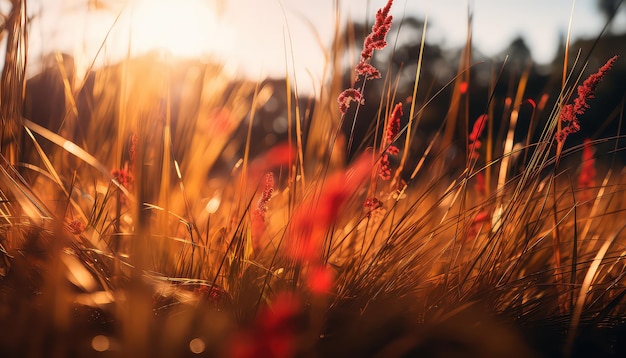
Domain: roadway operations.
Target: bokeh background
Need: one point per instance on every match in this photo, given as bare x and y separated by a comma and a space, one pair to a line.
268, 40
250, 34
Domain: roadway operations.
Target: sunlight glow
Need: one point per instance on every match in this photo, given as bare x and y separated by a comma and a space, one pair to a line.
187, 28
100, 343
213, 204
197, 346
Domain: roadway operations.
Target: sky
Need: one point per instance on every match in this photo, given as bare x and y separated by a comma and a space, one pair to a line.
258, 38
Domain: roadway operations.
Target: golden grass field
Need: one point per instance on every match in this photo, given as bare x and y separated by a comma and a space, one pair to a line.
152, 219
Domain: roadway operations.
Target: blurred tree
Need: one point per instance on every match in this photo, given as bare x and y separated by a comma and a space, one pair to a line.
519, 51
609, 8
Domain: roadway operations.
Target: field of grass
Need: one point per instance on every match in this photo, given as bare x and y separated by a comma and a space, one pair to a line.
146, 221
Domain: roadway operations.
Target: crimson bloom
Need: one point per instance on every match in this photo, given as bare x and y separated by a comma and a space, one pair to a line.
376, 40
258, 215
348, 96
393, 128
570, 112
586, 179
123, 176
474, 136
314, 217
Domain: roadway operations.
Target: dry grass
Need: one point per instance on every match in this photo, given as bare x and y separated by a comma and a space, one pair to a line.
143, 225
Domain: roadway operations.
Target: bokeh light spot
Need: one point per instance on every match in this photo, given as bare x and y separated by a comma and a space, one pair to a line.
197, 346
100, 343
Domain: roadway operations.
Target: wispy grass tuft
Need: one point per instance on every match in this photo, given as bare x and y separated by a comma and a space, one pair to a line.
158, 221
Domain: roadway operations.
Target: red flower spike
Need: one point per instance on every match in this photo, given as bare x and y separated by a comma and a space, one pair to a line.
304, 242
481, 217
570, 112
479, 220
208, 293
385, 167
312, 219
474, 136
348, 96
463, 87
258, 215
586, 179
364, 69
320, 280
123, 177
393, 126
274, 333
76, 227
279, 155
371, 205
393, 150
478, 128
220, 119
376, 39
267, 194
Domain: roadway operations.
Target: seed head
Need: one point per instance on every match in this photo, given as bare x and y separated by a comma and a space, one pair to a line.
570, 112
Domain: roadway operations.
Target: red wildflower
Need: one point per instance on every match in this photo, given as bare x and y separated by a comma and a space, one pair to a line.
477, 130
320, 279
279, 155
372, 204
586, 179
365, 69
266, 196
393, 128
477, 223
376, 39
481, 217
210, 293
347, 96
274, 333
393, 150
123, 176
220, 120
463, 86
385, 167
313, 219
306, 237
75, 227
570, 112
258, 215
474, 136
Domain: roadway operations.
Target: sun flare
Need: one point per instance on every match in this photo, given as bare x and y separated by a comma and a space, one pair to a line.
188, 28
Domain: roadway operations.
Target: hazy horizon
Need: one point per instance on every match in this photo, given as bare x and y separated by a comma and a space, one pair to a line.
250, 36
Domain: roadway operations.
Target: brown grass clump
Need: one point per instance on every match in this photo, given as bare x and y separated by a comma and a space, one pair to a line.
149, 222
